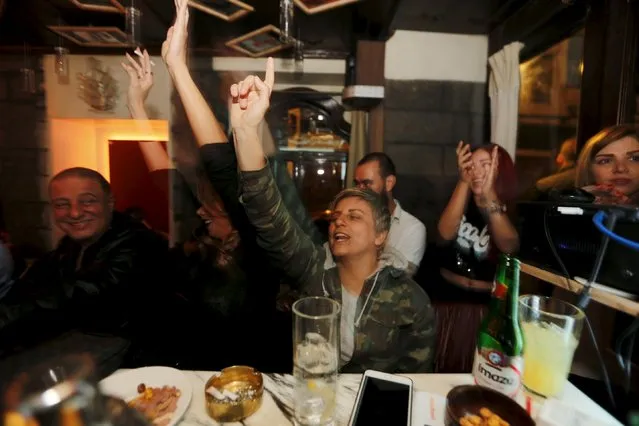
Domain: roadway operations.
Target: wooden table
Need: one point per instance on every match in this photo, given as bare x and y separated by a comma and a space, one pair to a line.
622, 304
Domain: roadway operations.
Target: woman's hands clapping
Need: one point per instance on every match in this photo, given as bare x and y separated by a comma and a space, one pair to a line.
464, 163
488, 188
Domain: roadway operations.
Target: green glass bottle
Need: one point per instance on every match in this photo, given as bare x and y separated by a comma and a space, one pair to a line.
500, 343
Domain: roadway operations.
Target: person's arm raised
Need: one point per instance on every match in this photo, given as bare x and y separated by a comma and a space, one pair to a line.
288, 247
140, 83
250, 99
206, 128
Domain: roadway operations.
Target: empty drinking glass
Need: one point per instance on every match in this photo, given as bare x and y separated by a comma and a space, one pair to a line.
316, 356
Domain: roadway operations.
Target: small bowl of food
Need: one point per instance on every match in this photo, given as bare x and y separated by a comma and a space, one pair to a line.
479, 406
234, 394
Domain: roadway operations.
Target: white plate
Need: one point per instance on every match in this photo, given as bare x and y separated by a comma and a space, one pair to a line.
124, 385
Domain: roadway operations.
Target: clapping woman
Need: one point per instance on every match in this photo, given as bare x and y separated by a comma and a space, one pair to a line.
474, 229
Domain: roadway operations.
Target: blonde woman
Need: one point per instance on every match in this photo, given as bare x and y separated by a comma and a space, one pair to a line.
608, 166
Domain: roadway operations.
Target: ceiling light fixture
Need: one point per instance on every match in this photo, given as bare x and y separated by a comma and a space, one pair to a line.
287, 11
133, 28
61, 63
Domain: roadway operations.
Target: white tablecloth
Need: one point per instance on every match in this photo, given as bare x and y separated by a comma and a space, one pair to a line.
277, 406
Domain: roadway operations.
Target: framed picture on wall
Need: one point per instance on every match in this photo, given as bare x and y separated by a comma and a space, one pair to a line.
540, 93
93, 36
228, 10
110, 6
261, 42
316, 6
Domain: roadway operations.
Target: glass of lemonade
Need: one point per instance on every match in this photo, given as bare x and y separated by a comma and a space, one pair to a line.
316, 358
552, 329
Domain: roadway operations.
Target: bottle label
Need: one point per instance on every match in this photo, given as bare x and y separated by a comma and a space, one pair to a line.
499, 290
494, 370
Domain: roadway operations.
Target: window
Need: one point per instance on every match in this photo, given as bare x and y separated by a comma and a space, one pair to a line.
548, 109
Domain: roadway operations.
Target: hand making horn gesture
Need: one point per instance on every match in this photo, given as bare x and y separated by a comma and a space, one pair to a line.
250, 98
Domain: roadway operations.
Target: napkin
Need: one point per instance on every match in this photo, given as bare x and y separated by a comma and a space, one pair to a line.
428, 409
557, 413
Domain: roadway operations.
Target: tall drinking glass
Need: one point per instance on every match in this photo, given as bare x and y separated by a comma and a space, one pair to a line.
316, 356
552, 329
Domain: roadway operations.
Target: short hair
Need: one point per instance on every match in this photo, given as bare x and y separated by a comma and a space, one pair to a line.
84, 173
386, 165
377, 202
595, 144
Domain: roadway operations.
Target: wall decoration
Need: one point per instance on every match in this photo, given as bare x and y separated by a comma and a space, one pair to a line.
93, 36
97, 87
261, 42
316, 6
228, 10
540, 91
539, 79
110, 6
550, 83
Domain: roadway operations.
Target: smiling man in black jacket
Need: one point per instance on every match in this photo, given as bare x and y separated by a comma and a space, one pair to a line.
98, 277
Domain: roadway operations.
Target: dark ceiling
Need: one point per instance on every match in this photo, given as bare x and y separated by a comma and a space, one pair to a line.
330, 33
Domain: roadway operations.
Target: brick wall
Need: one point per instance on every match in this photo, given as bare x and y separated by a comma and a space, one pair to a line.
424, 121
23, 155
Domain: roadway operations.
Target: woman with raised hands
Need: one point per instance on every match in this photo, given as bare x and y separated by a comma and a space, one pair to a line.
206, 273
387, 322
226, 255
216, 154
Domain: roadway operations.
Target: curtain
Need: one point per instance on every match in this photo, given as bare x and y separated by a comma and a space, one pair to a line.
503, 89
358, 143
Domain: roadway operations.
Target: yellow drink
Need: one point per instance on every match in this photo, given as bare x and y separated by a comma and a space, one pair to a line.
548, 353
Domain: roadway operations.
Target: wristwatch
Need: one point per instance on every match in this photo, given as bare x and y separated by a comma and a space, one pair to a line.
496, 207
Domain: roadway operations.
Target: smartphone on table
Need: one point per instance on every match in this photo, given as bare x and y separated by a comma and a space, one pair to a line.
383, 399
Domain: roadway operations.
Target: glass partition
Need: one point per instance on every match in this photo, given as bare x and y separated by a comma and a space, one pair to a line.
548, 111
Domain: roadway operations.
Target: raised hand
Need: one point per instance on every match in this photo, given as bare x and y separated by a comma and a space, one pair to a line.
488, 188
464, 164
250, 98
140, 78
174, 47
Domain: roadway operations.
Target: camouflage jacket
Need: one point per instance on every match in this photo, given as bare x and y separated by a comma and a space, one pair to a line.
396, 333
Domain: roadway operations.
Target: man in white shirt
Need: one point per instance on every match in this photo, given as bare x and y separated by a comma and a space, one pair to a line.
376, 171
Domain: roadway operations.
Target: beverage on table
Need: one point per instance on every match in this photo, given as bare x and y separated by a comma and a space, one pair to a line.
498, 359
551, 329
316, 358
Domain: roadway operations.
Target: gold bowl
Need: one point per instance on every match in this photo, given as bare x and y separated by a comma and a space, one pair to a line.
234, 394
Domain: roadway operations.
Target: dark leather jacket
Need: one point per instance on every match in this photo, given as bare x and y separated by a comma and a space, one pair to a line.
104, 295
